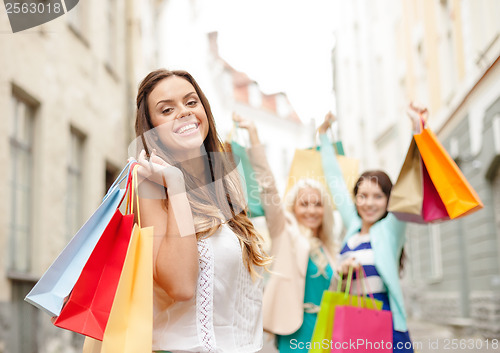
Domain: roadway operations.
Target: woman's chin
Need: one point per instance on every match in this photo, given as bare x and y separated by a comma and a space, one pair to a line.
371, 219
312, 226
185, 147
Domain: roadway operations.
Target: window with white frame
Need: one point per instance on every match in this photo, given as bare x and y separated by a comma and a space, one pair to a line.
21, 185
74, 179
424, 248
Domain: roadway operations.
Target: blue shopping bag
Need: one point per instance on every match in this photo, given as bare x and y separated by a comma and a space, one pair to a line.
58, 281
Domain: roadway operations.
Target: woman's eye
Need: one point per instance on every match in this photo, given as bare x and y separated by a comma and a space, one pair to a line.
166, 110
192, 103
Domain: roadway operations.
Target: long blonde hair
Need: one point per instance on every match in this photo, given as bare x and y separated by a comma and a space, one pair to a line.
210, 208
325, 237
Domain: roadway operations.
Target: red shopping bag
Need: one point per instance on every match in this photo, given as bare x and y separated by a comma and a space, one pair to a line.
414, 197
89, 304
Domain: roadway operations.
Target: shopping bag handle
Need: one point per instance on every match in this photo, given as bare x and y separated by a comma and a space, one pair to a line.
336, 142
361, 275
367, 290
423, 123
348, 283
316, 135
128, 188
135, 194
121, 177
360, 293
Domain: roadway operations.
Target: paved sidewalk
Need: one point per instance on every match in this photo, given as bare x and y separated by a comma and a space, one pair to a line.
429, 337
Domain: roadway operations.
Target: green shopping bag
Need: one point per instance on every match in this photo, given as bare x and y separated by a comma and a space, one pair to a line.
322, 334
247, 174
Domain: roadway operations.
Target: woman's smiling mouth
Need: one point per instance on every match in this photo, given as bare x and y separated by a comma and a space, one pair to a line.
187, 129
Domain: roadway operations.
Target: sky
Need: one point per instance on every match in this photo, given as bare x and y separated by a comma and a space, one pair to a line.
284, 45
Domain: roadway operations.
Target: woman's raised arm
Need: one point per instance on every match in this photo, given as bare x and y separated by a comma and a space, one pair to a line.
270, 199
333, 174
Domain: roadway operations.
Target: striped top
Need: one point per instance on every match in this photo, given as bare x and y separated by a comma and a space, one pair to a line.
359, 247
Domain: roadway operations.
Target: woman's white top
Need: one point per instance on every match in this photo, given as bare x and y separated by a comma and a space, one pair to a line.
226, 313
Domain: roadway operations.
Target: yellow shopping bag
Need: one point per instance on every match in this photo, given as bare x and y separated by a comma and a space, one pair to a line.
307, 164
130, 323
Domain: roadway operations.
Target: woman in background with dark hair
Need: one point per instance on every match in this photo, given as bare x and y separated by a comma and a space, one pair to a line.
374, 237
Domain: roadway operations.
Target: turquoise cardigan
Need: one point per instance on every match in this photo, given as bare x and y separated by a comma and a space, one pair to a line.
387, 236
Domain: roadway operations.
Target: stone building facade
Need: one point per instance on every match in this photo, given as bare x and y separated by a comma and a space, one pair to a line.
67, 102
444, 54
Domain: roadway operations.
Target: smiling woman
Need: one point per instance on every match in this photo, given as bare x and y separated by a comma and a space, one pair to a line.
374, 237
207, 259
301, 230
179, 116
308, 208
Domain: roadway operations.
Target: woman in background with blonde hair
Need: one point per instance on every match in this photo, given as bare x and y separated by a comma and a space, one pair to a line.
301, 231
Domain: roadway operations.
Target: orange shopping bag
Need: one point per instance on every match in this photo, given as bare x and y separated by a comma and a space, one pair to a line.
457, 194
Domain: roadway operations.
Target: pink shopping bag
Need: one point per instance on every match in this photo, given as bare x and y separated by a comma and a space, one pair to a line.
359, 329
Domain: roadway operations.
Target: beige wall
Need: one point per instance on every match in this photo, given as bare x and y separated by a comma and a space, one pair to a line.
76, 86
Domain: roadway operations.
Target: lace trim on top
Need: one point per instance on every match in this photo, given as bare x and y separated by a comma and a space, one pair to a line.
204, 297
